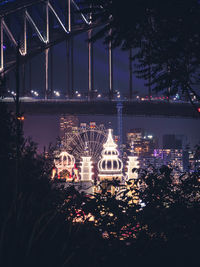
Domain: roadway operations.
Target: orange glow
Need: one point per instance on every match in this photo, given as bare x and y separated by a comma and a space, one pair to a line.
21, 118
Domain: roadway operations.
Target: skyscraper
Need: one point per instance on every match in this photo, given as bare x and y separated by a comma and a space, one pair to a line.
67, 123
144, 144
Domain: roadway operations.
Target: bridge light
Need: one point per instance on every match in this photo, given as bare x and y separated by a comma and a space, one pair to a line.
99, 95
57, 93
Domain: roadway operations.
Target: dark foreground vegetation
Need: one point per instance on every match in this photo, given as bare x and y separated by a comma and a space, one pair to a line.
43, 226
163, 38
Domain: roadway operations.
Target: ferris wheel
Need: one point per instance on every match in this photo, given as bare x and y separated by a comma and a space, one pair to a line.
86, 137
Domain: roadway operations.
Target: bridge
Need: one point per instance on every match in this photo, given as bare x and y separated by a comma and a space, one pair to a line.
41, 24
104, 107
30, 28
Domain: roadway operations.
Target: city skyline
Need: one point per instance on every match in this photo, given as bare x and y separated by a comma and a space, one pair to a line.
156, 126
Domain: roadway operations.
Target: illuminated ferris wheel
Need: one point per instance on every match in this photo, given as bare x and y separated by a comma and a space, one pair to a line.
86, 137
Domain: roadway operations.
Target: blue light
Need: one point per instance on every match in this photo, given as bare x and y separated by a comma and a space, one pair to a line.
4, 2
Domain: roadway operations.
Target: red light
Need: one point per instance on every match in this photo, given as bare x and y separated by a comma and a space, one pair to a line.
198, 110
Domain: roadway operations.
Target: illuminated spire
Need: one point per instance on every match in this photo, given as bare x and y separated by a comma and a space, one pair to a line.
109, 144
110, 164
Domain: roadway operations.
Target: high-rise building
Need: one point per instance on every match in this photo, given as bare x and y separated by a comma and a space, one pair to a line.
68, 123
144, 144
169, 157
135, 136
194, 160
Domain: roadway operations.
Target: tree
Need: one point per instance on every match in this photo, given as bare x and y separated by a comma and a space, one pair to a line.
49, 225
164, 35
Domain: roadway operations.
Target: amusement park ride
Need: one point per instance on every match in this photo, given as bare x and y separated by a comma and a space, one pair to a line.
94, 168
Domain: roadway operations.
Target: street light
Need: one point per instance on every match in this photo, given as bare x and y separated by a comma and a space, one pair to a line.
57, 93
34, 93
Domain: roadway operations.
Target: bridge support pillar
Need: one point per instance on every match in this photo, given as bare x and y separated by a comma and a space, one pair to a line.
1, 46
51, 71
130, 75
110, 70
70, 67
68, 93
30, 77
90, 68
23, 80
69, 15
46, 73
149, 81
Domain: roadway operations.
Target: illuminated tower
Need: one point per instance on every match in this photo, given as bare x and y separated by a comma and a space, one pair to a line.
86, 184
86, 166
110, 166
132, 163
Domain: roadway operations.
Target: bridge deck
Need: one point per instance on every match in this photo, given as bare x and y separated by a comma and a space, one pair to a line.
159, 109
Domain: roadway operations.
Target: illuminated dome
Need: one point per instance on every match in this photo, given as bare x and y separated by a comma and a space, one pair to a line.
110, 164
64, 161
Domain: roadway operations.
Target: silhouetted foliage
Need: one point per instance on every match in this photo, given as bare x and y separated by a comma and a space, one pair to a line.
153, 221
164, 36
